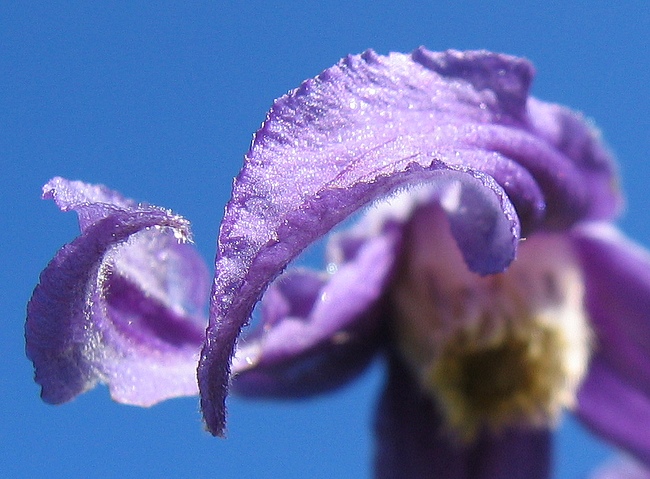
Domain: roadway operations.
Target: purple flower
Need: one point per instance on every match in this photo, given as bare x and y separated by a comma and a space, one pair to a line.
486, 271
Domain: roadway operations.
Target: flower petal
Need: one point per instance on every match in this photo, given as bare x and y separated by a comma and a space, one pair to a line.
243, 269
615, 409
412, 442
615, 398
317, 331
119, 304
91, 202
371, 125
617, 276
573, 136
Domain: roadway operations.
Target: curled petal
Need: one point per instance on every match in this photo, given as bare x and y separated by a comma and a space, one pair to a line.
243, 269
317, 330
121, 304
91, 202
569, 133
368, 127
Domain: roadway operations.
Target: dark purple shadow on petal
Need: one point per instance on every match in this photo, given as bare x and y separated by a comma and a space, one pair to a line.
412, 442
566, 194
509, 78
574, 136
303, 360
144, 319
322, 368
562, 150
244, 267
617, 280
300, 291
318, 331
56, 332
615, 409
520, 186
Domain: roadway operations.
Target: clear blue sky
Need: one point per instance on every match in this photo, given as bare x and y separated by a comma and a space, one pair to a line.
160, 102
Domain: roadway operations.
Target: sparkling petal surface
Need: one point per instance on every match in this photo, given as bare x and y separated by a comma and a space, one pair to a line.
412, 443
374, 124
120, 304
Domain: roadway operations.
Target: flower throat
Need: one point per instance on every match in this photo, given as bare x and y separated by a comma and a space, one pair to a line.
497, 351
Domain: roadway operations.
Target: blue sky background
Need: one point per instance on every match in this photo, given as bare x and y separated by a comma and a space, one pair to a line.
160, 102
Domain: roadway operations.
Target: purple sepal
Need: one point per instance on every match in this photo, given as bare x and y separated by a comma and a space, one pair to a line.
372, 125
616, 410
614, 400
617, 281
121, 304
413, 443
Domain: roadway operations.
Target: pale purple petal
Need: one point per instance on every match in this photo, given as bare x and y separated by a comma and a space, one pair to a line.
616, 410
121, 304
91, 202
615, 398
412, 442
371, 125
317, 331
617, 276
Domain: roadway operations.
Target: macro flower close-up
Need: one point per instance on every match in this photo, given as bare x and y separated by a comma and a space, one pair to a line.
474, 251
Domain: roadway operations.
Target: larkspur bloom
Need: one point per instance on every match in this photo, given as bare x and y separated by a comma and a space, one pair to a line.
487, 272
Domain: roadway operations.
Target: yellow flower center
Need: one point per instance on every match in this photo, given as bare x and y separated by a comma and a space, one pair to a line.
497, 351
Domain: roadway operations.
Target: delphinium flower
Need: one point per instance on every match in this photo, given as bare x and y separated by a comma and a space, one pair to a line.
486, 271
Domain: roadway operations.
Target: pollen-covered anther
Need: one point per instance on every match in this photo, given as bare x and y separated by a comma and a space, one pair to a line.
497, 351
520, 379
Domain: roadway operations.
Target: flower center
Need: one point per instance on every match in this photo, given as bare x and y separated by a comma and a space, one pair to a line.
502, 350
